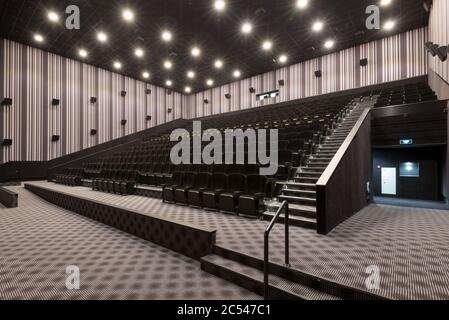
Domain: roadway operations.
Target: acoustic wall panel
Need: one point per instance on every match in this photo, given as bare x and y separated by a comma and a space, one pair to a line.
439, 34
104, 98
72, 132
89, 110
140, 111
369, 74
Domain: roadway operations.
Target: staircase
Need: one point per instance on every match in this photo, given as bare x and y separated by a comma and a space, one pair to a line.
301, 192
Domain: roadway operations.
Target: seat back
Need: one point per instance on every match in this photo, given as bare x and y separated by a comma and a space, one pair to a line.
236, 182
218, 181
203, 180
255, 184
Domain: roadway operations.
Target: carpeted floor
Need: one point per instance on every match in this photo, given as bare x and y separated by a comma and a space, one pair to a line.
38, 241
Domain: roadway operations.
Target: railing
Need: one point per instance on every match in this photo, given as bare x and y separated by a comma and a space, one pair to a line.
267, 243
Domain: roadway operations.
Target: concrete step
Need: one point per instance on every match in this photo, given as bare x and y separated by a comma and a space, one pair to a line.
298, 200
299, 193
306, 180
303, 222
301, 186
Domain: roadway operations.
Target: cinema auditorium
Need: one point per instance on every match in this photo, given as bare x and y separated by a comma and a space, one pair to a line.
224, 150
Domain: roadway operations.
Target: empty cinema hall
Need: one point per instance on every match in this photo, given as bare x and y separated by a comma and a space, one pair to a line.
225, 158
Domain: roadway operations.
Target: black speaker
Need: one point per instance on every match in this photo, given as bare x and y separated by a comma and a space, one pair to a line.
228, 96
55, 138
169, 92
364, 62
124, 122
149, 118
206, 101
169, 110
318, 74
93, 100
7, 102
281, 83
252, 90
7, 142
55, 102
93, 132
148, 91
123, 93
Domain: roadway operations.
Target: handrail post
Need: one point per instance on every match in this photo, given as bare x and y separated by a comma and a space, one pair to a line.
266, 264
287, 236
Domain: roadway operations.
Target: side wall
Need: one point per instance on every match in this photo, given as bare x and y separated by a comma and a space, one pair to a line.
32, 78
394, 58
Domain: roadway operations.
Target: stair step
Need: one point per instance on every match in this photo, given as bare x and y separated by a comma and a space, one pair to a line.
309, 175
293, 220
301, 186
299, 193
306, 180
298, 200
252, 279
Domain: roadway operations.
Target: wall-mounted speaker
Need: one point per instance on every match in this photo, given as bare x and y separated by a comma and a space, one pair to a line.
169, 92
7, 142
93, 100
55, 102
169, 110
228, 96
252, 90
123, 93
148, 91
93, 132
149, 118
55, 138
364, 62
7, 102
206, 101
281, 83
124, 122
318, 74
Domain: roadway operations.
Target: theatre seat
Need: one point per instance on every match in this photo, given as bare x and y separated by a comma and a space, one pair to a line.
250, 203
168, 191
218, 184
228, 199
188, 182
195, 195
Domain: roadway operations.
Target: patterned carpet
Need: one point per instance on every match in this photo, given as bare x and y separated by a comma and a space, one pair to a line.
38, 241
409, 245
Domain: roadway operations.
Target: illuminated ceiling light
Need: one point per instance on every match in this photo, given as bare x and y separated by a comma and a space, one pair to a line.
283, 58
128, 15
389, 25
196, 52
210, 82
53, 16
385, 3
38, 38
218, 64
301, 4
220, 5
146, 75
166, 36
329, 44
102, 37
168, 83
117, 65
168, 65
188, 89
267, 45
190, 74
237, 74
83, 53
139, 52
318, 26
247, 28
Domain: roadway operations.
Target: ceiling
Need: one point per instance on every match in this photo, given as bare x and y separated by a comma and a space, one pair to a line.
196, 22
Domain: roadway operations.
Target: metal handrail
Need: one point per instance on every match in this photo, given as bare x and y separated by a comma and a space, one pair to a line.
267, 243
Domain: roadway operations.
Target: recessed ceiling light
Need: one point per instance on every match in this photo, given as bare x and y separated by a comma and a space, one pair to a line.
38, 38
218, 64
188, 89
385, 3
117, 65
128, 15
53, 16
102, 37
267, 45
83, 53
283, 58
329, 44
301, 4
190, 74
196, 52
210, 82
247, 28
146, 75
220, 5
139, 52
166, 36
237, 74
168, 64
318, 26
168, 83
389, 25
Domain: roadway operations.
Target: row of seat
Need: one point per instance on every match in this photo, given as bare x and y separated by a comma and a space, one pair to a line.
70, 177
121, 182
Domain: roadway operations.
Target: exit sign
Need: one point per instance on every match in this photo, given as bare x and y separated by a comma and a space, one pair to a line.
406, 142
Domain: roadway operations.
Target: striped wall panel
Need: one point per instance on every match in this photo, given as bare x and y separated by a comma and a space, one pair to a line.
439, 33
33, 77
389, 59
